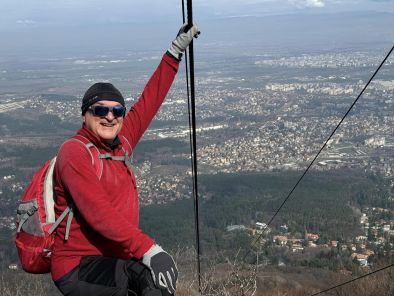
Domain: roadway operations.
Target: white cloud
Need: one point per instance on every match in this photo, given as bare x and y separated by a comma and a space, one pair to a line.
314, 3
308, 3
26, 22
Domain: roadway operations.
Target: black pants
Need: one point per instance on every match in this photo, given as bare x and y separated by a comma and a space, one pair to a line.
104, 276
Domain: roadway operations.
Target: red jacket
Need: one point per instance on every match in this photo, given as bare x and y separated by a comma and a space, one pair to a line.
106, 220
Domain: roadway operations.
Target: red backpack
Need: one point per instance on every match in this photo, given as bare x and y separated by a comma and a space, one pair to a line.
36, 220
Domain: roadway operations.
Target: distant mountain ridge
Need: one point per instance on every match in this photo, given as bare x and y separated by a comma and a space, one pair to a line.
307, 30
241, 33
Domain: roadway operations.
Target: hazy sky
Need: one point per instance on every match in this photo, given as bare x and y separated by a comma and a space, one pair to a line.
28, 26
21, 13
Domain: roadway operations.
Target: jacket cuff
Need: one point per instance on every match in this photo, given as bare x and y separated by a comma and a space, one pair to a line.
143, 249
172, 57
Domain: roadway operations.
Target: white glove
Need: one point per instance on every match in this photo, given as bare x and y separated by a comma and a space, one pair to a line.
162, 268
182, 40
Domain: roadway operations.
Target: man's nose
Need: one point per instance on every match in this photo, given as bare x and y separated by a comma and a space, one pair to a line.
110, 116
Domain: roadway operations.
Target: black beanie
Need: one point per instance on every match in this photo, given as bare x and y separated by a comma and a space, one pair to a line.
101, 91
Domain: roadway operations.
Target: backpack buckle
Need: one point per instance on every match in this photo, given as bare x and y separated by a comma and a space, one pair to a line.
31, 211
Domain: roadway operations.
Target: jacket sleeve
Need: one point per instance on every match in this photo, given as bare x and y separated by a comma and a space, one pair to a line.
144, 110
78, 177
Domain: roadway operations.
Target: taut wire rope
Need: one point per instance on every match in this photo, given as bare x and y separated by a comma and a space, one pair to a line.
353, 280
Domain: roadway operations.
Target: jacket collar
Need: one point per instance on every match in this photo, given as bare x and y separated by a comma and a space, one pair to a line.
92, 137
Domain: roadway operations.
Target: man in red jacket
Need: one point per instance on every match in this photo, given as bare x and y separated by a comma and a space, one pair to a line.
105, 252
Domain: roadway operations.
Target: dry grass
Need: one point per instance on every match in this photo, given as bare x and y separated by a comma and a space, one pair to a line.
381, 283
233, 278
18, 283
229, 278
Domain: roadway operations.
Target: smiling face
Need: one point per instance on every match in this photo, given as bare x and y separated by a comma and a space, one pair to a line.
106, 127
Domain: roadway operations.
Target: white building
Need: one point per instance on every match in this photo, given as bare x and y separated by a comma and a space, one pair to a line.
375, 141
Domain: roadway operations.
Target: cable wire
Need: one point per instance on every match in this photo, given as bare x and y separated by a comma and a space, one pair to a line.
188, 105
321, 149
192, 120
188, 99
353, 280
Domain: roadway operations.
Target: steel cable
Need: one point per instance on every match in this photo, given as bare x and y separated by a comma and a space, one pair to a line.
353, 280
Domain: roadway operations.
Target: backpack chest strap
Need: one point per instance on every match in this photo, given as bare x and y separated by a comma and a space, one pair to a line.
126, 158
113, 157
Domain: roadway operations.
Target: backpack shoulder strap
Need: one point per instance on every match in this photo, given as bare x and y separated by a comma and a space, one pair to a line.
127, 144
94, 153
128, 153
49, 202
97, 164
70, 211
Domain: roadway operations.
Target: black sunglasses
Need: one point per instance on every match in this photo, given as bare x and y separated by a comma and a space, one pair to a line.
101, 111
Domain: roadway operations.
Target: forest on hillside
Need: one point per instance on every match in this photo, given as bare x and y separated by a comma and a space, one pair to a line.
325, 203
